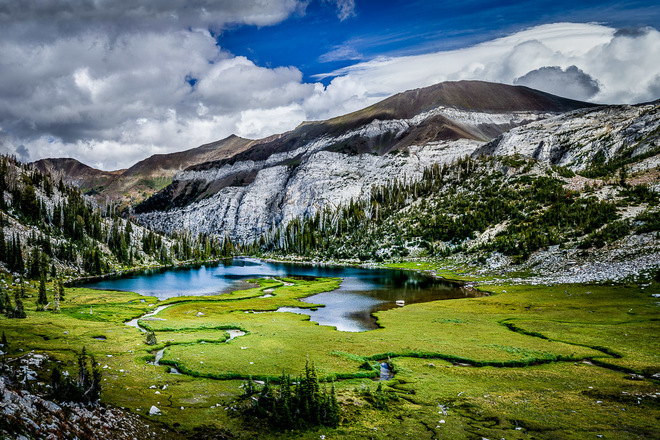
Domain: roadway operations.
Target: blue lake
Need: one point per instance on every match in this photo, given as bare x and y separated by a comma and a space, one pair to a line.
349, 308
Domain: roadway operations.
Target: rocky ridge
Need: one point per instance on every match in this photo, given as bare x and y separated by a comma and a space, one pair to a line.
578, 139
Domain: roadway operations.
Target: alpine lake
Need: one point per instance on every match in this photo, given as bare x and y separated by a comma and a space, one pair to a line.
362, 292
507, 360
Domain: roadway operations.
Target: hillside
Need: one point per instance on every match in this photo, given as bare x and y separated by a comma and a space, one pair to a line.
572, 198
50, 230
328, 163
76, 173
145, 177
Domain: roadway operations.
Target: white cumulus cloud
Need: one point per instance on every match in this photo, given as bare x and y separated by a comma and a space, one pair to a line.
110, 96
622, 63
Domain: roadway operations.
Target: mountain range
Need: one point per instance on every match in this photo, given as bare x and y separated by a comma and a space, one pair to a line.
246, 189
401, 134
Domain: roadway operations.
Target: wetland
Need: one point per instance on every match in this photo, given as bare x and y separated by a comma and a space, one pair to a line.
350, 307
565, 361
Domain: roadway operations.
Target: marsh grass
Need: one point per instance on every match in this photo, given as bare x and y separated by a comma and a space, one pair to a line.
515, 359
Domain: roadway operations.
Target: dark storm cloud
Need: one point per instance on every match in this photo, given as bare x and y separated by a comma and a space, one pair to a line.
572, 82
72, 15
632, 32
22, 153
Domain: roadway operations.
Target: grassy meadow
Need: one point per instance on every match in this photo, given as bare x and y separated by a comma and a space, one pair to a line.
561, 361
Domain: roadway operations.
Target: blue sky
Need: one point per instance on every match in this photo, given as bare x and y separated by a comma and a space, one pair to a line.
113, 82
317, 41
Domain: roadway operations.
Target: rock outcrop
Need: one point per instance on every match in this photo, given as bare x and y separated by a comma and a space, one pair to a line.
586, 137
329, 163
30, 415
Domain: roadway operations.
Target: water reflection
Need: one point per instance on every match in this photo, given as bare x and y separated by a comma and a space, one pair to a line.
349, 308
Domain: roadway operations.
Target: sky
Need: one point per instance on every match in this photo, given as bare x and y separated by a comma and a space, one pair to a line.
111, 82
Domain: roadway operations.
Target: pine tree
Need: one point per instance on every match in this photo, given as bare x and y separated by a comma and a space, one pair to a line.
19, 310
18, 255
42, 301
3, 245
83, 373
227, 247
60, 288
34, 263
29, 203
9, 309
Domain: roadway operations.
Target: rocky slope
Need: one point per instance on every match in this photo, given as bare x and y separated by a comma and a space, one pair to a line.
31, 415
76, 173
586, 138
329, 163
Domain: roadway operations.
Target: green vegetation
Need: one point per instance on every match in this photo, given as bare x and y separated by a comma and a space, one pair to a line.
49, 230
450, 208
86, 388
554, 361
298, 404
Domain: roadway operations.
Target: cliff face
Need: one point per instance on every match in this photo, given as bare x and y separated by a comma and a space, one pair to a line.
331, 162
586, 138
280, 193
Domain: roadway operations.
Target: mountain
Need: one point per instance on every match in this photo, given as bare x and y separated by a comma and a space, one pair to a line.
474, 110
145, 177
411, 118
76, 173
574, 198
328, 163
587, 138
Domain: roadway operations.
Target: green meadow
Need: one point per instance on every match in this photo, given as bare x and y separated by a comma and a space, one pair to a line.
563, 361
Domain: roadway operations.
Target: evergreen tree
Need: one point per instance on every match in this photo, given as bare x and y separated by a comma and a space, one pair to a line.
19, 311
295, 407
29, 204
58, 385
16, 263
227, 247
34, 263
85, 389
9, 309
60, 288
42, 301
3, 244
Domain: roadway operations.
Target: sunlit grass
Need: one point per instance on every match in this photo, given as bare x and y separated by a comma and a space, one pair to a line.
510, 360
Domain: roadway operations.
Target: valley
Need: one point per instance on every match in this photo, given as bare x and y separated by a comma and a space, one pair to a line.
467, 260
503, 365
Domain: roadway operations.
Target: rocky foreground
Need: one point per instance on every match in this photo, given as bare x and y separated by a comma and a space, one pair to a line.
31, 415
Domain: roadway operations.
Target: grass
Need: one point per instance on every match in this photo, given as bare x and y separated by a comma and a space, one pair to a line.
553, 361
